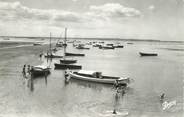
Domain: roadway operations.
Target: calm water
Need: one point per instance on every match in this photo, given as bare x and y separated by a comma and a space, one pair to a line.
51, 97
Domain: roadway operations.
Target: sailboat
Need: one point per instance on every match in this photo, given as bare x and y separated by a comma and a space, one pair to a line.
51, 55
59, 43
66, 63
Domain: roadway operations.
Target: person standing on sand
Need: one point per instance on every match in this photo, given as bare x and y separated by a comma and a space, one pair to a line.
116, 103
162, 96
24, 71
28, 69
40, 55
116, 84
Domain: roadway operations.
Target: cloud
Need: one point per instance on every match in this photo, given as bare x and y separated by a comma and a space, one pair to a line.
16, 11
151, 7
17, 19
114, 10
74, 0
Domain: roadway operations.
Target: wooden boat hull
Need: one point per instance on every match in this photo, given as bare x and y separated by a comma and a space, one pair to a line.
148, 54
68, 61
119, 46
97, 80
37, 44
53, 56
106, 47
73, 54
67, 66
37, 73
85, 48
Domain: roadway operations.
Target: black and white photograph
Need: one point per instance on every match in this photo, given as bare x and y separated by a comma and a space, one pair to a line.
91, 58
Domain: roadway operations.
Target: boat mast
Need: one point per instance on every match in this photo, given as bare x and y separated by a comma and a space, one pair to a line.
50, 44
65, 42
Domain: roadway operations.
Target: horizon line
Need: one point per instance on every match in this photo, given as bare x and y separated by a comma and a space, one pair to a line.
96, 38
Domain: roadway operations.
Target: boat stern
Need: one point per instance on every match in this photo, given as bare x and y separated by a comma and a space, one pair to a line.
122, 80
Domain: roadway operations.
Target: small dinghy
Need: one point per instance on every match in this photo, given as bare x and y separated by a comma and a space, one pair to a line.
93, 76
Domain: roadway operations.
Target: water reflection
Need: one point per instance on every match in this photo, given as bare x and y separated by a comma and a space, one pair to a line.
46, 79
29, 81
95, 86
66, 76
31, 84
118, 99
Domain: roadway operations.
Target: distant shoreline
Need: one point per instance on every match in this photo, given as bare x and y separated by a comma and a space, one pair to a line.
87, 38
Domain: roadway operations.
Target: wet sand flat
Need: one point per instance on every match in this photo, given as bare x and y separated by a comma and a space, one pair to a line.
53, 98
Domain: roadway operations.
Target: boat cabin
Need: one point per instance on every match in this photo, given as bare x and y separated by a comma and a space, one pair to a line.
40, 67
90, 73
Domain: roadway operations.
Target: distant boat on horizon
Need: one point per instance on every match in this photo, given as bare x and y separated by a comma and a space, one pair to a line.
130, 43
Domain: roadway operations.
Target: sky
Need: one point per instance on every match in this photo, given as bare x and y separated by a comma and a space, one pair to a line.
137, 19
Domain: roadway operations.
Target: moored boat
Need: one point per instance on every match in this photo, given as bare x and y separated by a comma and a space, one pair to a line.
50, 54
53, 56
81, 46
73, 54
40, 70
130, 43
68, 61
148, 54
65, 63
118, 46
67, 66
106, 47
37, 44
94, 76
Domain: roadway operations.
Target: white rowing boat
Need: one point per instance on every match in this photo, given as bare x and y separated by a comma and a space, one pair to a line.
93, 76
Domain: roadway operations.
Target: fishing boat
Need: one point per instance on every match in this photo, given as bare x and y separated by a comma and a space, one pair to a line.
110, 44
50, 54
130, 43
73, 54
148, 54
93, 76
118, 45
53, 56
106, 47
97, 45
81, 46
66, 63
37, 44
66, 60
67, 66
59, 45
40, 70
